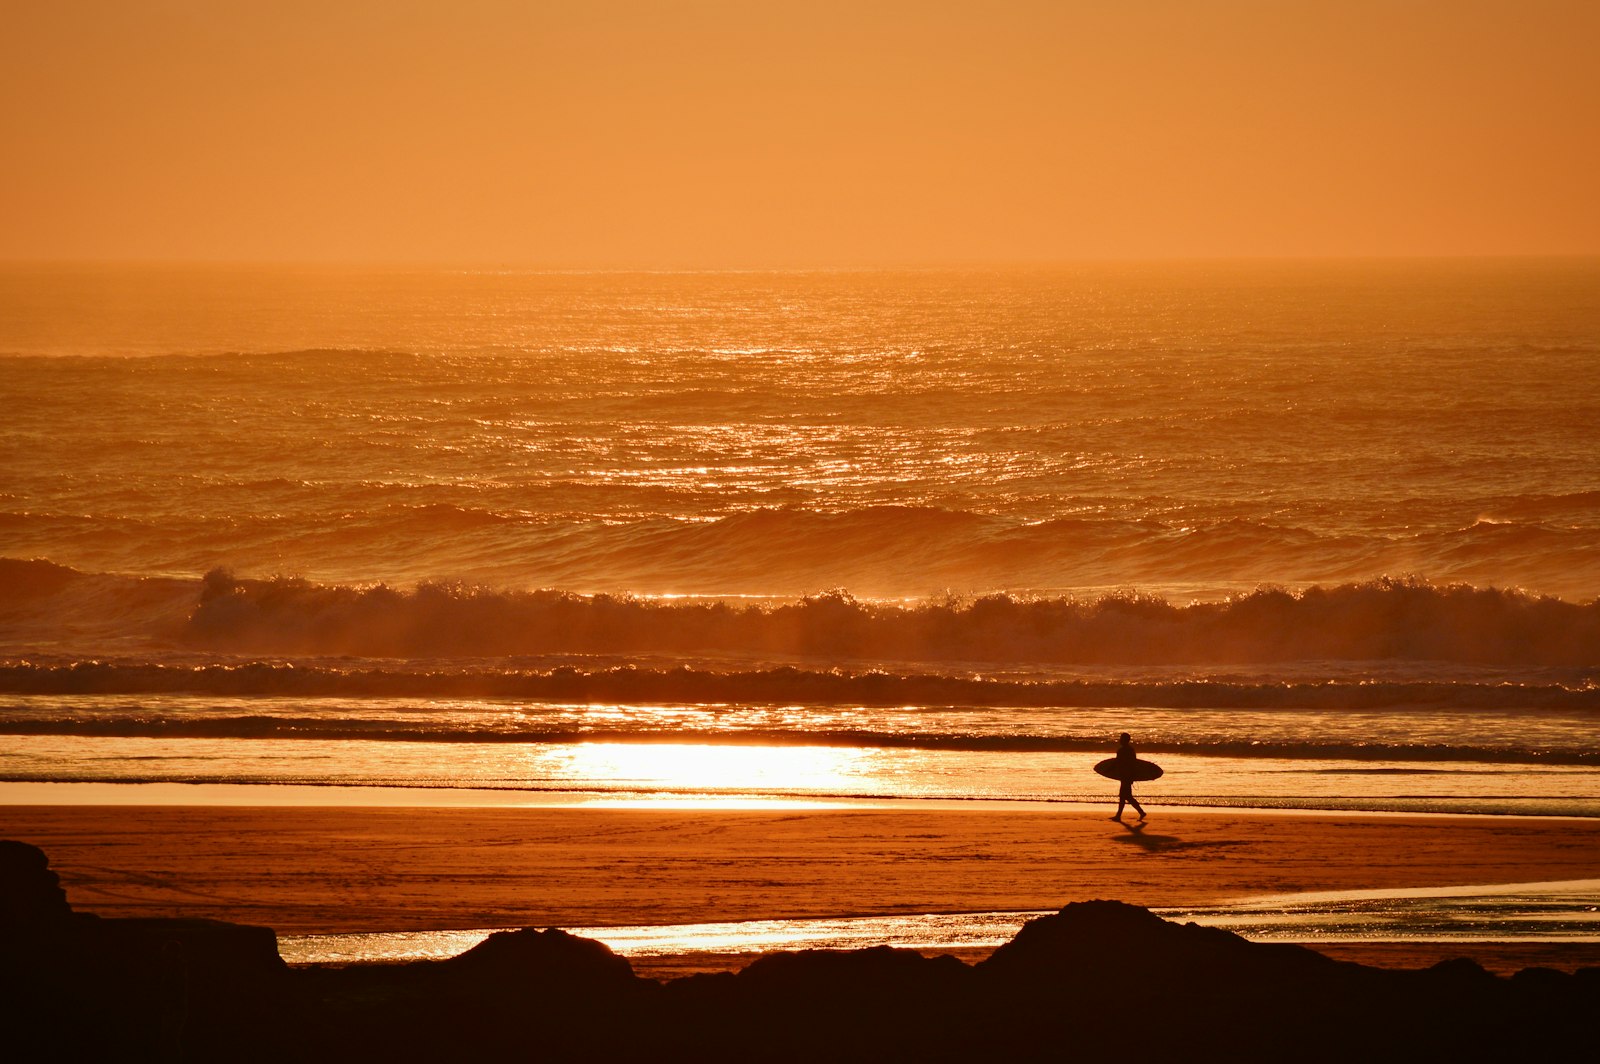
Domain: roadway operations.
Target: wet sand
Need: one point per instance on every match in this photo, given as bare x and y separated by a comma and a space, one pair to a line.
311, 870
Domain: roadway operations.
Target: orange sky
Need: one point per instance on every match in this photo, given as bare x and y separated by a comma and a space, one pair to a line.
796, 132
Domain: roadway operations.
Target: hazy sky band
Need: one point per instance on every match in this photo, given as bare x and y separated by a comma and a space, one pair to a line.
783, 133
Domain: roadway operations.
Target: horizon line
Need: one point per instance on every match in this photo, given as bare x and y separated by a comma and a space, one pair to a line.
513, 266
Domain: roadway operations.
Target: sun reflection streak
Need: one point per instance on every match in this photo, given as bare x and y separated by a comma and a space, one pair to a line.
716, 775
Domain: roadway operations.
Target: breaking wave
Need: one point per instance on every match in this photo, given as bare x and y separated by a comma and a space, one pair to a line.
1385, 620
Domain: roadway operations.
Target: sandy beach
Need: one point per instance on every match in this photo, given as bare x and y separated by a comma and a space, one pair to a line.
325, 870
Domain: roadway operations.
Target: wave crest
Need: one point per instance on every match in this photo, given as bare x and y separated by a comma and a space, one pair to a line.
631, 684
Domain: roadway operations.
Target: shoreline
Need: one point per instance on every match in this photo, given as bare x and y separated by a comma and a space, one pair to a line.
30, 793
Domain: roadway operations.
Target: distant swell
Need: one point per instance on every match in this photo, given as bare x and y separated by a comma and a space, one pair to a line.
600, 537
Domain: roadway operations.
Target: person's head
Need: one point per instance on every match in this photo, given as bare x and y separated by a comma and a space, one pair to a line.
1126, 738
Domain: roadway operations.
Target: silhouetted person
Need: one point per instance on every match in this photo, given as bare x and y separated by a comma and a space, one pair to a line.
1125, 759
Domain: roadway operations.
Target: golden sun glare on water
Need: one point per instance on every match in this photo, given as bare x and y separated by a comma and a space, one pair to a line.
724, 776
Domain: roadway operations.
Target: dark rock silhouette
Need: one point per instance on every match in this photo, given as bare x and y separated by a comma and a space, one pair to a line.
31, 897
1114, 942
75, 986
879, 1003
543, 957
1094, 979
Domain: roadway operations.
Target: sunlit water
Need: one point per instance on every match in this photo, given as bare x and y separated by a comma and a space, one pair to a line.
1179, 428
1567, 911
1520, 761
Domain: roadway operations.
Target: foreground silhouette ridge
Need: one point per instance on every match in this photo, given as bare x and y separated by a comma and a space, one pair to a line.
76, 986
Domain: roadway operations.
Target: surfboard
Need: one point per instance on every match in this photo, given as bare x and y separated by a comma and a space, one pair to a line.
1115, 768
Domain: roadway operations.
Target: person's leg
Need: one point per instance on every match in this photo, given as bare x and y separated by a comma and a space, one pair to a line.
1137, 807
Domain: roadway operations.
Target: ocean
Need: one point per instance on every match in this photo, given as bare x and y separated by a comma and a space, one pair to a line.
1320, 535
